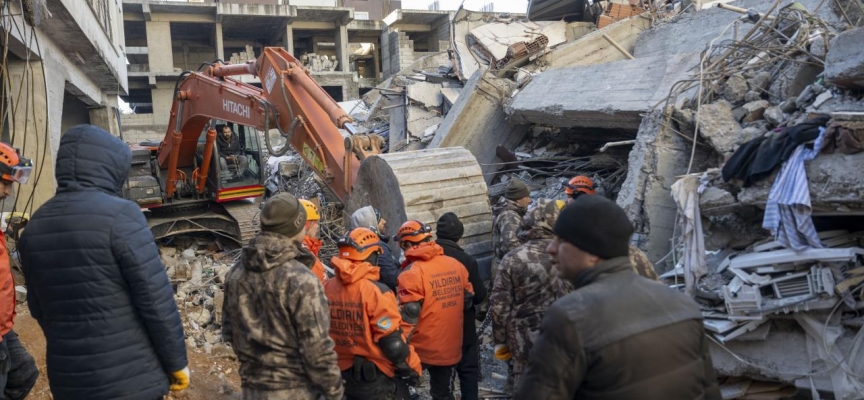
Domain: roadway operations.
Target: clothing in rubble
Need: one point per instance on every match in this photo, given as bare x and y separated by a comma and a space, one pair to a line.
787, 211
317, 268
525, 287
276, 317
95, 282
441, 286
756, 159
844, 136
366, 217
449, 230
364, 311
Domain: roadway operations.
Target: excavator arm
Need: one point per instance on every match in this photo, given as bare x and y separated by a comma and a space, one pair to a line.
290, 101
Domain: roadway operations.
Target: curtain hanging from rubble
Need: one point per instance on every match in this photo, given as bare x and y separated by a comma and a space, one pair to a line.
787, 213
685, 193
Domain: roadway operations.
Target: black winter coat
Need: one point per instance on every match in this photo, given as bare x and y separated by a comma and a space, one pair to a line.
469, 327
389, 266
95, 281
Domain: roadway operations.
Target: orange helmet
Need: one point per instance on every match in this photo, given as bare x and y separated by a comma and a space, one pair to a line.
580, 183
414, 231
359, 244
13, 167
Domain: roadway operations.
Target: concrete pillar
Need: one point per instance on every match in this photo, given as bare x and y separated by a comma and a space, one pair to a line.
105, 118
159, 46
36, 133
289, 39
220, 46
163, 97
342, 48
376, 61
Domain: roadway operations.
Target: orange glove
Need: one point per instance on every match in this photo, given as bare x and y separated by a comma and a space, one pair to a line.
179, 380
502, 352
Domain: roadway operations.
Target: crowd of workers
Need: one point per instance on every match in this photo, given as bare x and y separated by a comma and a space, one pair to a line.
575, 309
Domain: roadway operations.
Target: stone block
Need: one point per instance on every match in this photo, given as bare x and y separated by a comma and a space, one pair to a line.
792, 79
844, 63
755, 110
775, 116
735, 89
718, 126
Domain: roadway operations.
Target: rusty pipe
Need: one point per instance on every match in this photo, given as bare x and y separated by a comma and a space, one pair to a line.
236, 69
205, 163
336, 113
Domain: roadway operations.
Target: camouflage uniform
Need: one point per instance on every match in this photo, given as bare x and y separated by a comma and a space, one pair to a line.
525, 286
641, 264
277, 319
508, 216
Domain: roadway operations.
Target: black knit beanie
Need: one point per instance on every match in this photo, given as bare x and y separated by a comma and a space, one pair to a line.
283, 214
449, 227
596, 225
516, 190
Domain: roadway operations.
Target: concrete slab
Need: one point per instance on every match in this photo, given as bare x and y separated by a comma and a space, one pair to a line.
478, 123
612, 95
592, 48
428, 94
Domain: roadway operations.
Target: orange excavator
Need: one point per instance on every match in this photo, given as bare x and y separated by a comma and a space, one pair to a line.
196, 179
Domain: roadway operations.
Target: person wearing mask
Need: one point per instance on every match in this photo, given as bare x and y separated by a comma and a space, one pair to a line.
18, 370
369, 217
312, 241
275, 313
581, 185
448, 231
96, 283
524, 288
595, 343
375, 358
433, 291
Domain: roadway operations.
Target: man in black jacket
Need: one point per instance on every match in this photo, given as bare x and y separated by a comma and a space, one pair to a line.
231, 157
368, 217
617, 336
449, 230
95, 282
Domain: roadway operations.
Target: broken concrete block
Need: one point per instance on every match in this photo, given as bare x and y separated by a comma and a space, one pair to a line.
788, 106
751, 132
714, 197
759, 82
752, 96
420, 119
755, 110
685, 120
20, 294
792, 79
817, 47
718, 126
735, 89
774, 116
844, 63
428, 94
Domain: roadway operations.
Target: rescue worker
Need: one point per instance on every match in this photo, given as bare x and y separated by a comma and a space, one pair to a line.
433, 291
96, 284
580, 185
312, 241
449, 230
507, 214
525, 286
369, 217
596, 343
18, 371
275, 314
374, 356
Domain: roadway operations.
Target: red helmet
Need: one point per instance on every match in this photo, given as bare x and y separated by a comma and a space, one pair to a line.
13, 167
359, 244
580, 183
413, 231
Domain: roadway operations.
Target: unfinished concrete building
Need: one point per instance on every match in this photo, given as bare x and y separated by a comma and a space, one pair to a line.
65, 66
349, 46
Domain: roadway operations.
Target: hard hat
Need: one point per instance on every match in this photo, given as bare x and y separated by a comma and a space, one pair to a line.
13, 167
359, 244
580, 183
311, 210
413, 231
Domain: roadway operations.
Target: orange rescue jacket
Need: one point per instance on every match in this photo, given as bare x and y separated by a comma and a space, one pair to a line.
314, 245
7, 290
440, 283
362, 311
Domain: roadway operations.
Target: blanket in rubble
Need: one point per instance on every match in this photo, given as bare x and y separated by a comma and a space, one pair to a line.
756, 159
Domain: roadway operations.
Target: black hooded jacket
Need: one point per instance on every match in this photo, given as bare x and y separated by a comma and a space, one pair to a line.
95, 281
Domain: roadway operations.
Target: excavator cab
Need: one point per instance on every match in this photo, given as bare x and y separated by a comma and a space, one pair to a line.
236, 170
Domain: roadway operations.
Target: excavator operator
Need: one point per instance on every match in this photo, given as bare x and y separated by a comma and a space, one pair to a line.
374, 355
230, 152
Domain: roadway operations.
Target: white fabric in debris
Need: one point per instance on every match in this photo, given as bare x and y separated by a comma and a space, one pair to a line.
845, 365
685, 193
787, 212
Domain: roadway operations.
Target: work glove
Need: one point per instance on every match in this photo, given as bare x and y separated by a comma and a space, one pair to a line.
179, 380
408, 374
502, 352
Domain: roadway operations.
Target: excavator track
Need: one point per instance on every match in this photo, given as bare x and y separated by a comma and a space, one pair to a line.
425, 184
247, 214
